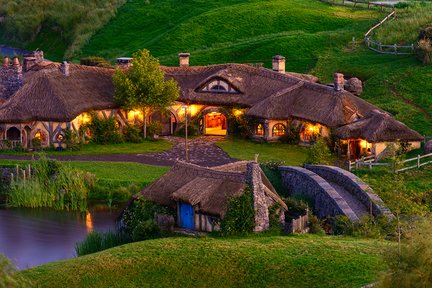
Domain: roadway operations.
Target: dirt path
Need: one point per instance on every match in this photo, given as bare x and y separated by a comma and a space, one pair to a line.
202, 151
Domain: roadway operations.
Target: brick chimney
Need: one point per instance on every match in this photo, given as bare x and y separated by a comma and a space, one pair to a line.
278, 63
28, 63
64, 68
6, 62
16, 62
338, 81
184, 59
39, 56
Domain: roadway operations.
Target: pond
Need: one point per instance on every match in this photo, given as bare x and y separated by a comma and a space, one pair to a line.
31, 237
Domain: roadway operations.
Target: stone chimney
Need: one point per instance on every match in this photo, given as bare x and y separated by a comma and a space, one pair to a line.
184, 59
64, 68
6, 62
338, 81
28, 63
16, 62
278, 63
39, 56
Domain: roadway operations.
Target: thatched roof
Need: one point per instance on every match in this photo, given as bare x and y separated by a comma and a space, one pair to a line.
313, 102
253, 83
377, 126
48, 94
208, 188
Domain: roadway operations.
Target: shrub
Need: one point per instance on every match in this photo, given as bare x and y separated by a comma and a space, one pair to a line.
8, 276
270, 169
155, 128
132, 133
72, 140
96, 241
315, 225
146, 230
104, 131
410, 264
424, 51
141, 210
192, 131
319, 153
36, 144
240, 216
292, 135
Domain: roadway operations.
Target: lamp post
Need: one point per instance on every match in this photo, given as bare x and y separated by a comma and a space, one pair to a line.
186, 132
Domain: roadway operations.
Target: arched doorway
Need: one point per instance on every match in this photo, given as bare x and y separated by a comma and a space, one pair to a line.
168, 120
13, 134
215, 123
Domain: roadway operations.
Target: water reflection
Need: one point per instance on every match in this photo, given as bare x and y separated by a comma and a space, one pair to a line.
31, 237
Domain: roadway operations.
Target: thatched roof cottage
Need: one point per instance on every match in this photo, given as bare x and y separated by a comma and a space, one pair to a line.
45, 98
201, 194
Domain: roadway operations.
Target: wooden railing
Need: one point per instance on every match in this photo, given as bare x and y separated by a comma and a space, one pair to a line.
387, 48
418, 162
370, 162
10, 144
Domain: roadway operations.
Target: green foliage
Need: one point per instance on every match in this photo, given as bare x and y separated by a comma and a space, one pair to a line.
143, 86
36, 144
292, 135
95, 61
410, 265
9, 277
319, 153
315, 225
52, 184
61, 21
296, 208
146, 230
240, 216
370, 227
104, 131
97, 241
72, 140
270, 169
132, 133
141, 210
155, 128
192, 130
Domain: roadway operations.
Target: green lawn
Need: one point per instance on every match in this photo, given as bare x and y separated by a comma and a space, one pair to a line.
246, 150
271, 261
122, 148
112, 172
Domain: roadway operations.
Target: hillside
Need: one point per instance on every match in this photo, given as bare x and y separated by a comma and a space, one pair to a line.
313, 36
241, 262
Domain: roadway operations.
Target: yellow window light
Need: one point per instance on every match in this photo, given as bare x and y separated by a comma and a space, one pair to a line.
364, 144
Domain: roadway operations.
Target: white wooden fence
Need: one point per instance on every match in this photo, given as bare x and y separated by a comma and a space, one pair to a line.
387, 48
370, 162
9, 144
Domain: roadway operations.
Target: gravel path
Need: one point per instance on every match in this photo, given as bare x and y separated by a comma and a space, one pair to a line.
202, 151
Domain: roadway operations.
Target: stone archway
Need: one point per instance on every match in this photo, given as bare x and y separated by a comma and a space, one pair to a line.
214, 122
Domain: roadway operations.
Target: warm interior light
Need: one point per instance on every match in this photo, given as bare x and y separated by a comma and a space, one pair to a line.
38, 135
238, 113
89, 222
364, 144
85, 118
193, 110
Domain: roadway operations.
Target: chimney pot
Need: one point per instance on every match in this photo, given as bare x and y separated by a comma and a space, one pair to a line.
16, 61
6, 61
65, 68
338, 81
278, 63
184, 59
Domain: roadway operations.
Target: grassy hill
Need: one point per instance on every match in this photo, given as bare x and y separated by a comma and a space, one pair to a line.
313, 36
275, 261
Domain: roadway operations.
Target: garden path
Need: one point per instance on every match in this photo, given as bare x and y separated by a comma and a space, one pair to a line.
202, 151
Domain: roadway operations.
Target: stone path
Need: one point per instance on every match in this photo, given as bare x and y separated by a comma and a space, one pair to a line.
202, 151
353, 202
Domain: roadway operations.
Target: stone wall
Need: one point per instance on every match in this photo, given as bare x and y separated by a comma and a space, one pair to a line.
10, 79
327, 202
253, 178
353, 185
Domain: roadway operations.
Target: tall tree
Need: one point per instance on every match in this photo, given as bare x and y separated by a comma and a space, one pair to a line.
142, 86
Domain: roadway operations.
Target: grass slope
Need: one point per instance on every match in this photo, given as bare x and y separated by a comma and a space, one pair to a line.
275, 261
245, 150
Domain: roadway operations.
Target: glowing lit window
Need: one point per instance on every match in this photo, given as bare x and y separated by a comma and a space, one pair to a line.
260, 129
41, 136
278, 130
60, 137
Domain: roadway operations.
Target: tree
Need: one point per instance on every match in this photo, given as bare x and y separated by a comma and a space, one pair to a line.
143, 86
424, 50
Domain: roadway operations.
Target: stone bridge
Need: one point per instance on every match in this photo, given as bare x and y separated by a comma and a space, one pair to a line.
333, 191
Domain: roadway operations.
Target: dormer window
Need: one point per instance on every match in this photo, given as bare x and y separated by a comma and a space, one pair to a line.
219, 86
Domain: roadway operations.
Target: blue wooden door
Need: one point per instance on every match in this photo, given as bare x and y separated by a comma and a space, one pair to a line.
186, 216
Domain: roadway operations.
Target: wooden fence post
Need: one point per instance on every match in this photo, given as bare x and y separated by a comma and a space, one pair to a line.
418, 161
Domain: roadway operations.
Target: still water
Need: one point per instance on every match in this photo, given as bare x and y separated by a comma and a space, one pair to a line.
31, 237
